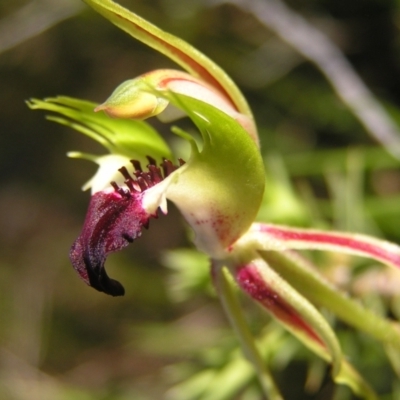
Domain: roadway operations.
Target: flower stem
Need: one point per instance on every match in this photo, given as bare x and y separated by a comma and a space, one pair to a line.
230, 302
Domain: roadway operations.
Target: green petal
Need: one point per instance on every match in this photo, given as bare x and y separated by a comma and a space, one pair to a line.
132, 139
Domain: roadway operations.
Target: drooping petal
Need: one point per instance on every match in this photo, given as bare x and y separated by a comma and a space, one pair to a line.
292, 310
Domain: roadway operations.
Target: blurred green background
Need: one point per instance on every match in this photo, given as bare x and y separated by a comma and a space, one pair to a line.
60, 339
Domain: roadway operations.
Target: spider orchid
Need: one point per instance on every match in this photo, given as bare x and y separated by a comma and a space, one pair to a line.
218, 190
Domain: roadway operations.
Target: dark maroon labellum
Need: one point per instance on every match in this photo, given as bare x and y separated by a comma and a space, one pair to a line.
113, 220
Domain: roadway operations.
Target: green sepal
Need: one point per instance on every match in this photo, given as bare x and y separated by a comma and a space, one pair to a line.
185, 55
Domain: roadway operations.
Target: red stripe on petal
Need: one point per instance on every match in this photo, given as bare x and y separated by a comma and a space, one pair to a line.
374, 248
252, 283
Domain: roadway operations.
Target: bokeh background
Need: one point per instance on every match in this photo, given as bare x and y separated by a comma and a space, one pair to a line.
60, 339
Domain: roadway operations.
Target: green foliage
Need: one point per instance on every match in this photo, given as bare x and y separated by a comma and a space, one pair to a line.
62, 341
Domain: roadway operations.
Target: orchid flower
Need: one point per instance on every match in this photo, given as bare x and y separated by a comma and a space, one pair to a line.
218, 189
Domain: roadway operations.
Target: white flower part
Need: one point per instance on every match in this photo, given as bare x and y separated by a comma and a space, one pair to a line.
206, 237
106, 173
156, 196
170, 114
254, 240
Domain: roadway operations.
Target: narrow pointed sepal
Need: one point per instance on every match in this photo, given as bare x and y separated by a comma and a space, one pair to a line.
291, 309
114, 219
278, 237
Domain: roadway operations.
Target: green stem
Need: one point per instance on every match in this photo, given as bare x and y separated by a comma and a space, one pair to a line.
311, 285
230, 302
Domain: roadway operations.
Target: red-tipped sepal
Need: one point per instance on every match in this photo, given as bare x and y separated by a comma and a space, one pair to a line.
252, 283
290, 308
